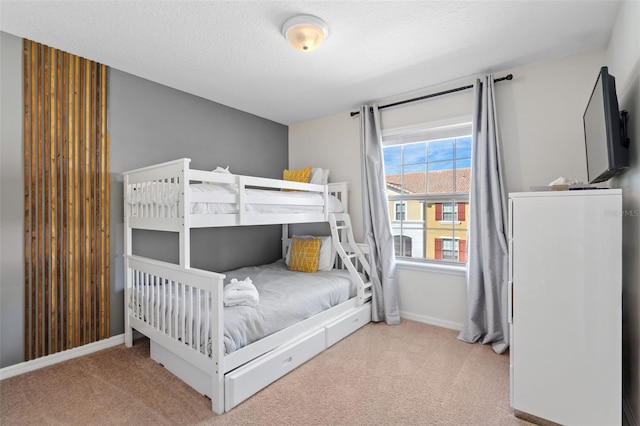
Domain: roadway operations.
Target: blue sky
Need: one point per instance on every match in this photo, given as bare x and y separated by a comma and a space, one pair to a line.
438, 154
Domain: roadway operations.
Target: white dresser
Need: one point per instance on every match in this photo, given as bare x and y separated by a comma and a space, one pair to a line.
565, 305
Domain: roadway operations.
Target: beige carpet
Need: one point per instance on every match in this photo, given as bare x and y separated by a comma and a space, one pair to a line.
411, 374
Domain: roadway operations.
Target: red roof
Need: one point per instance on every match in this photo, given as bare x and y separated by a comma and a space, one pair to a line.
437, 181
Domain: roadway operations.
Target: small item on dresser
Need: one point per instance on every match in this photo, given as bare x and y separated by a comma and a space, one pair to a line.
562, 183
240, 293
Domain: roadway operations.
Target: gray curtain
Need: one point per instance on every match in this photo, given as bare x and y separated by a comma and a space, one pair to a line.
377, 224
487, 272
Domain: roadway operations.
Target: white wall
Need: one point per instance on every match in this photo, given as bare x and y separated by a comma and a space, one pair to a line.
433, 110
432, 297
540, 115
332, 142
623, 59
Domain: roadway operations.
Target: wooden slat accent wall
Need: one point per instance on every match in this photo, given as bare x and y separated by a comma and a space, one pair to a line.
66, 186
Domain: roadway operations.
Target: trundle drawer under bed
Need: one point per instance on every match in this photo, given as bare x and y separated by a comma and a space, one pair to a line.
250, 378
245, 381
347, 324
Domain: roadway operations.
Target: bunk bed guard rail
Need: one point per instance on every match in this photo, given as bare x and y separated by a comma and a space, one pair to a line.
159, 197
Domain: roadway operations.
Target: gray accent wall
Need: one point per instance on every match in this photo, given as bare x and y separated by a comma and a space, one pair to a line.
148, 123
11, 202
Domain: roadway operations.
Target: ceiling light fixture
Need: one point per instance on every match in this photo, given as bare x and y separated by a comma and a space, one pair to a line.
305, 32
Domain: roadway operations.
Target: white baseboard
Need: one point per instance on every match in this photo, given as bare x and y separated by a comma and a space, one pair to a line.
45, 361
431, 320
627, 411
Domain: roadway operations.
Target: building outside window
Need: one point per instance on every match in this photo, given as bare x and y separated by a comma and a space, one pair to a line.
427, 173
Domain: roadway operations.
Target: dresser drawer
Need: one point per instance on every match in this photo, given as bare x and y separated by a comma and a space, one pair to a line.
347, 324
249, 379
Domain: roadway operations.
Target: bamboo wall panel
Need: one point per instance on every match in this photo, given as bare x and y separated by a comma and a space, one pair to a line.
66, 186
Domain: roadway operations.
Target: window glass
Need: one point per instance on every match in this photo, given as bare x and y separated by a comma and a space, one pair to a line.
441, 150
393, 155
463, 153
428, 190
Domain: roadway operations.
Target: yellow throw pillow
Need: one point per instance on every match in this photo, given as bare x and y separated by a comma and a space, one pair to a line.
304, 254
300, 175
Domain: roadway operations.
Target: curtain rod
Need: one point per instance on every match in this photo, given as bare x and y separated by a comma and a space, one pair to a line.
433, 95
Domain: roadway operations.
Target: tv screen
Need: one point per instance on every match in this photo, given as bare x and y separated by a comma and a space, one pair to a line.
604, 131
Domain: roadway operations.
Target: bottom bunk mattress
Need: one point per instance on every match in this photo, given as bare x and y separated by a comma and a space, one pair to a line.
285, 298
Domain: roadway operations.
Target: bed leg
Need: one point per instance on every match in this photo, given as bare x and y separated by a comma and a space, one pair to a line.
128, 337
128, 331
217, 391
217, 406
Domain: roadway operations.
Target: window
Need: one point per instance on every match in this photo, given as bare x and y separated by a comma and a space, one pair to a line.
400, 208
427, 173
450, 249
450, 212
402, 245
447, 213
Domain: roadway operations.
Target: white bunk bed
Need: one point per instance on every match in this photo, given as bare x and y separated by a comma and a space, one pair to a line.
181, 310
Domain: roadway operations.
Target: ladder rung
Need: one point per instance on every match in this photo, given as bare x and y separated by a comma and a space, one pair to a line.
367, 284
351, 256
342, 227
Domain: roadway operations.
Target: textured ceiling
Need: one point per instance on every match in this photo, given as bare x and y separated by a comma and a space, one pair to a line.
232, 52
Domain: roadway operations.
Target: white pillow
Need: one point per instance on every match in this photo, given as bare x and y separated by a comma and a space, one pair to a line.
219, 169
327, 253
319, 176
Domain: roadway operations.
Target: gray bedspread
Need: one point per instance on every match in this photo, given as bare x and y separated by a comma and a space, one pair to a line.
286, 298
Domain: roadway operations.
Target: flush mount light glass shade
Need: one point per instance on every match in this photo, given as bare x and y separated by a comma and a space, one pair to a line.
305, 32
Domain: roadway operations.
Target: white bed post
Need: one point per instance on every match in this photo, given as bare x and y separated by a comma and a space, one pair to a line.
128, 331
217, 351
242, 198
285, 238
185, 242
184, 207
128, 278
325, 197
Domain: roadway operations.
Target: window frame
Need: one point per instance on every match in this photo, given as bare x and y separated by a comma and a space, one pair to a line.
445, 129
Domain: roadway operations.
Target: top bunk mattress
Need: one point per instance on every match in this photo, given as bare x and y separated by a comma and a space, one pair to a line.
208, 199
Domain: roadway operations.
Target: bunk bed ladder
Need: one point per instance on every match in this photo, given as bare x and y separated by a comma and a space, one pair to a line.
350, 253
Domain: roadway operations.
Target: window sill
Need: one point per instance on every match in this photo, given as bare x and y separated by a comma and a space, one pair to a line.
431, 267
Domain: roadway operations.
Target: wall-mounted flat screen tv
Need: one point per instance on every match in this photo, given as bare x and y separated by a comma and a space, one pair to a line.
605, 133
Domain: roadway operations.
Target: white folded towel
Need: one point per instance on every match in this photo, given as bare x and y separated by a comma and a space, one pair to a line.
240, 293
